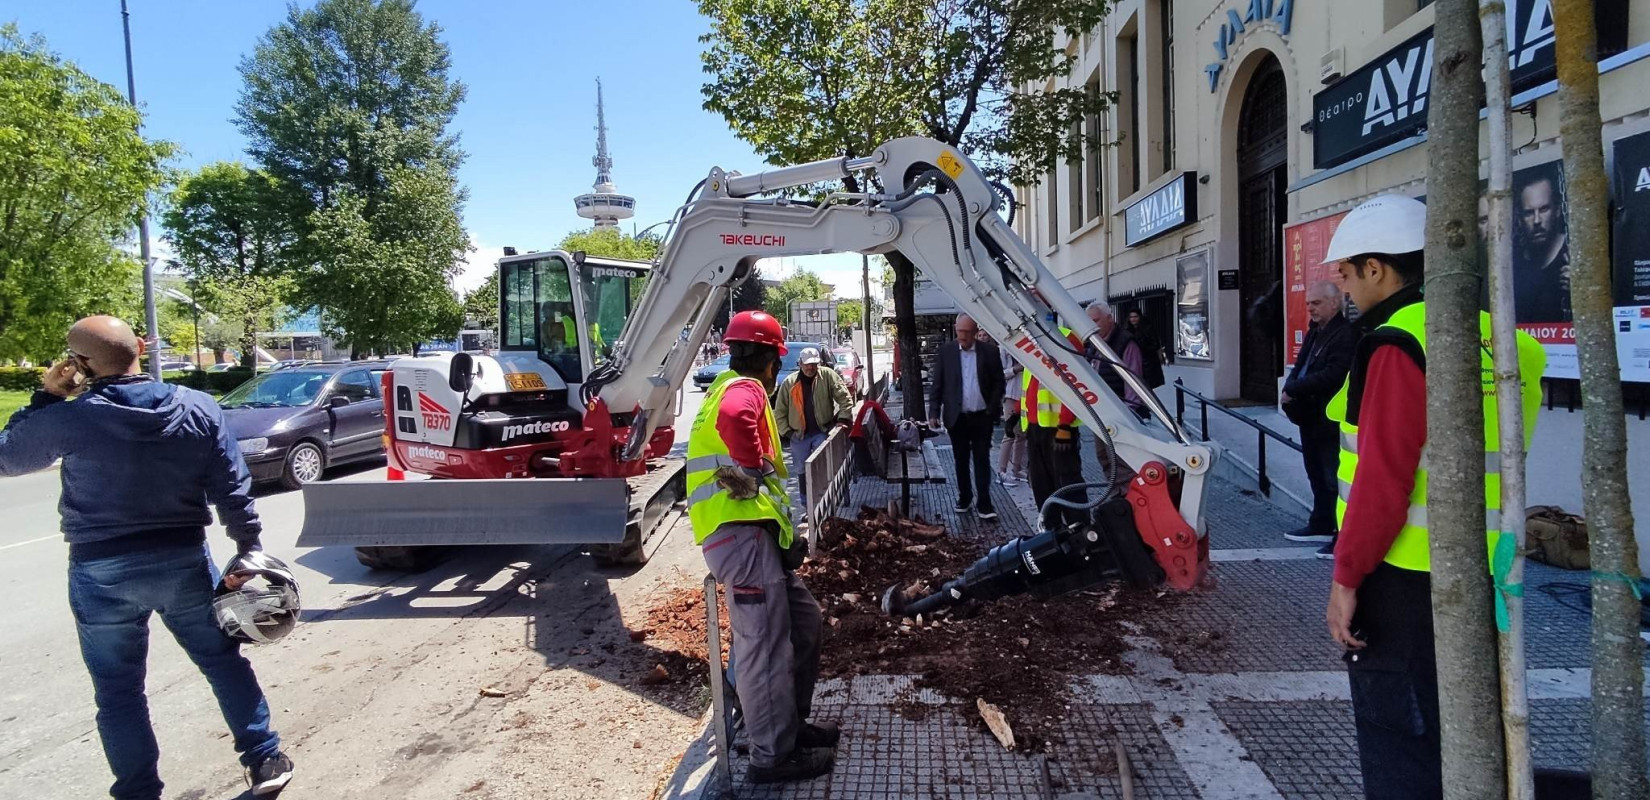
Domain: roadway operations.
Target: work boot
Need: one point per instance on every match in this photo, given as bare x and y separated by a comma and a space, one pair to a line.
802, 764
824, 734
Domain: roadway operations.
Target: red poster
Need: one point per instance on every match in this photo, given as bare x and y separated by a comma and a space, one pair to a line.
1304, 246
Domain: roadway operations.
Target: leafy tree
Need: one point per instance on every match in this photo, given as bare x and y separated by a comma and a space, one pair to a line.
802, 285
815, 80
346, 104
481, 304
74, 175
236, 244
611, 243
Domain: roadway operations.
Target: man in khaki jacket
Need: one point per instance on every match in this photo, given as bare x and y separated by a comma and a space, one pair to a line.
807, 405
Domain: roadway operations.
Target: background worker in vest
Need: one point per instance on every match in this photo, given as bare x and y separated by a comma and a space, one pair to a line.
1319, 373
741, 518
1380, 604
809, 403
1052, 456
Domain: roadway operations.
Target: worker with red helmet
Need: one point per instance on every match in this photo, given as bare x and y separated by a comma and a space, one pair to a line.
741, 517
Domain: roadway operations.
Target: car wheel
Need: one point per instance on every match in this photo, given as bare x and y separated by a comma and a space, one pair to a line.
304, 464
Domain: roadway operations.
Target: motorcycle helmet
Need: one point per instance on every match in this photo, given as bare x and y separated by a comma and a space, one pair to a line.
256, 601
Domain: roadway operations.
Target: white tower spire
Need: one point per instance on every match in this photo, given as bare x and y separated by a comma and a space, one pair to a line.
604, 205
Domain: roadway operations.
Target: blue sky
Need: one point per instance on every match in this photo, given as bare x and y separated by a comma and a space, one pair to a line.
528, 124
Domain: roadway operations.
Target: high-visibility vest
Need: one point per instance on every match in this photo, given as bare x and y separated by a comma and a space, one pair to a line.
1409, 551
709, 505
1040, 407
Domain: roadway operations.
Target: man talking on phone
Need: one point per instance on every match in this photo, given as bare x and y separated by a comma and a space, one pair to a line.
141, 461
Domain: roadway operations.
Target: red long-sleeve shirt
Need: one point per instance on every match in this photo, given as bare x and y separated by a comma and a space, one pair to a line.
742, 421
1392, 431
1030, 400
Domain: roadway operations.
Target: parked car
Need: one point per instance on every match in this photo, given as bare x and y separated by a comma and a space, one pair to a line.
792, 360
176, 366
295, 423
222, 366
707, 373
852, 371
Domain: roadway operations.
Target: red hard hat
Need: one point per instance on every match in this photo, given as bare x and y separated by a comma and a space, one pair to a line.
756, 326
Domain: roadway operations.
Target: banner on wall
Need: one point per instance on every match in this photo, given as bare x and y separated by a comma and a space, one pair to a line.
1304, 247
1630, 262
1541, 265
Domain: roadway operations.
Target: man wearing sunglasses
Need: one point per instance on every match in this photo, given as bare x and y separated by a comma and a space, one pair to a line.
141, 461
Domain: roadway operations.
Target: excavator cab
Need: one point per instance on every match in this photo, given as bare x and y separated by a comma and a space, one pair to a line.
558, 306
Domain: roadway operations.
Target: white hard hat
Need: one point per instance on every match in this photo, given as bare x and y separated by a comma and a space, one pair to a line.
1390, 223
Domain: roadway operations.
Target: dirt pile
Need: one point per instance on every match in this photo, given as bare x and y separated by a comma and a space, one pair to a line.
1019, 653
673, 627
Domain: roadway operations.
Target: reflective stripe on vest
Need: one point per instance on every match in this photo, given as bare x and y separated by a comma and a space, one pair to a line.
1410, 549
709, 505
1041, 408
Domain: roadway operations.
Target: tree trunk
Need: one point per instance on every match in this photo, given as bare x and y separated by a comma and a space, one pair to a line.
910, 348
1462, 604
1515, 700
1618, 654
249, 342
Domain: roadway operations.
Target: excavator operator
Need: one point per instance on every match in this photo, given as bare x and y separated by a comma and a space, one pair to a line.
741, 517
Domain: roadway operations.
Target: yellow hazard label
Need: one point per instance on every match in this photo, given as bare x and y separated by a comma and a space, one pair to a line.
525, 381
951, 164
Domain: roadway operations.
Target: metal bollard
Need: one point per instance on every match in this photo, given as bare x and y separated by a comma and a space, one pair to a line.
722, 772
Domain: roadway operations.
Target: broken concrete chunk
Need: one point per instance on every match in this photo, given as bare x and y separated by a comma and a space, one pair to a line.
657, 675
995, 720
489, 691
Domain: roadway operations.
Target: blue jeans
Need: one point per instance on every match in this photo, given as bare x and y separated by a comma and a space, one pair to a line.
111, 599
802, 446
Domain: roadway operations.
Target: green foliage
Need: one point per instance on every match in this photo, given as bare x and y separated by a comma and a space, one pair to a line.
211, 382
10, 401
802, 285
611, 243
849, 313
346, 106
481, 304
815, 80
74, 175
21, 379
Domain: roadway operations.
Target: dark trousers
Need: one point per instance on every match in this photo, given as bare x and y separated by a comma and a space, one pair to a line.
971, 447
1395, 687
1321, 453
1051, 469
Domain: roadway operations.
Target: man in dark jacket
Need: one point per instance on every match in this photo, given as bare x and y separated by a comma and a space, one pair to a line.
1319, 371
967, 396
141, 461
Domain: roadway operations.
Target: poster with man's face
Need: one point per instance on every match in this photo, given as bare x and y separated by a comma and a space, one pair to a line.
1541, 245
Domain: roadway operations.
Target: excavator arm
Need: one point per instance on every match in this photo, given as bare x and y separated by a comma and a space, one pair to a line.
940, 212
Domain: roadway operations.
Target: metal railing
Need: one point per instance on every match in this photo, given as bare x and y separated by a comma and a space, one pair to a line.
1204, 403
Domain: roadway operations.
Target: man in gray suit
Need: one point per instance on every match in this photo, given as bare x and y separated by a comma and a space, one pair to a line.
968, 391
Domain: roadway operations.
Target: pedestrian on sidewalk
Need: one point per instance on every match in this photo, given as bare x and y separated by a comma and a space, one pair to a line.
141, 461
967, 392
1052, 455
1128, 354
741, 517
1380, 603
1011, 462
1152, 355
810, 403
1319, 371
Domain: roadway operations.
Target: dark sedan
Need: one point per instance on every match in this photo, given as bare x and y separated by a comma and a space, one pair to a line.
294, 424
706, 375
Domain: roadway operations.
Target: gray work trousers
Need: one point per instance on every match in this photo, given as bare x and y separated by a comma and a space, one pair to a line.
776, 626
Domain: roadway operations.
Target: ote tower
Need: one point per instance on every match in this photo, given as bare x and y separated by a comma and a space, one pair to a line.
604, 205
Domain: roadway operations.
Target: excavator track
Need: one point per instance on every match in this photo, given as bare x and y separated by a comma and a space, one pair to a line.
653, 497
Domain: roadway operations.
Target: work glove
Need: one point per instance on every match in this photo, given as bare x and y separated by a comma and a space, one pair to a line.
244, 546
1065, 439
739, 484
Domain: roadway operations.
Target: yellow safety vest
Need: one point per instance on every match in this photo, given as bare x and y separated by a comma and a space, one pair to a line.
709, 505
1041, 407
1409, 551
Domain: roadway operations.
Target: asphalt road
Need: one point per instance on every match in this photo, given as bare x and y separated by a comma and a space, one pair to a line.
375, 692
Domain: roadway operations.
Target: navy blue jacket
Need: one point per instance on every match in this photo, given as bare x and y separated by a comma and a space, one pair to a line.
138, 457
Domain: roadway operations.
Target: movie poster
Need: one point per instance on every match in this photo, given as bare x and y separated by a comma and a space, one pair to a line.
1630, 260
1304, 246
1541, 265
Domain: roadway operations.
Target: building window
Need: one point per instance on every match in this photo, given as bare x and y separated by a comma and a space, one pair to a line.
1129, 150
1053, 206
1074, 179
1165, 27
1094, 192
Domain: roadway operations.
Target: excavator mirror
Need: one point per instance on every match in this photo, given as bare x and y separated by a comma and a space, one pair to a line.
461, 373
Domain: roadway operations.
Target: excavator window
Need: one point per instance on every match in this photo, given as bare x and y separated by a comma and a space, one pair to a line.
536, 313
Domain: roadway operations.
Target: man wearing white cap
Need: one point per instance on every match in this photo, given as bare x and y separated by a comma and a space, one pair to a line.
809, 403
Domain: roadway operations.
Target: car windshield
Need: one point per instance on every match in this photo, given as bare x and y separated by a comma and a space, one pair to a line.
720, 363
844, 360
288, 388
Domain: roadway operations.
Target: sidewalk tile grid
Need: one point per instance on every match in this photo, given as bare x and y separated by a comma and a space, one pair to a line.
1088, 762
1308, 749
1561, 733
1269, 615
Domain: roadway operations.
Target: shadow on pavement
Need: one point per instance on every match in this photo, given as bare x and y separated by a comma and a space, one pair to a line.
274, 488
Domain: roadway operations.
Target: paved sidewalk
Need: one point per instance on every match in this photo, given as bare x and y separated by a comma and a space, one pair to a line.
1246, 696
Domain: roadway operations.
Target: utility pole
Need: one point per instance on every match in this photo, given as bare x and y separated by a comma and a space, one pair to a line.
865, 316
150, 318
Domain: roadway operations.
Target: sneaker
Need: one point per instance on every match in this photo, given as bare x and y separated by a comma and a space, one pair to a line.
1327, 552
802, 764
1021, 475
824, 734
985, 514
1008, 479
270, 776
1306, 535
963, 506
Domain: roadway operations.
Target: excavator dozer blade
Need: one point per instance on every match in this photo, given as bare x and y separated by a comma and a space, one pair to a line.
448, 512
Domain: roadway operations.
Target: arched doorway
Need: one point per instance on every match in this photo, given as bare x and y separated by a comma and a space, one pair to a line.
1262, 156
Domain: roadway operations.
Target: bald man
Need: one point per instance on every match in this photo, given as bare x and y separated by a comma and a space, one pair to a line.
1320, 369
141, 462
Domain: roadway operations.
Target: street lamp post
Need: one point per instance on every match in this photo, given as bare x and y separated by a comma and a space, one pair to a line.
865, 316
150, 318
